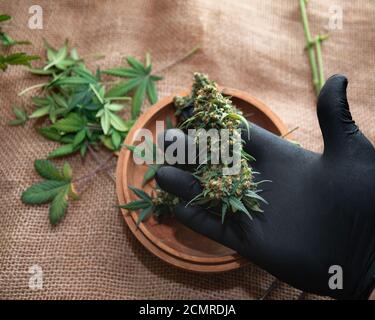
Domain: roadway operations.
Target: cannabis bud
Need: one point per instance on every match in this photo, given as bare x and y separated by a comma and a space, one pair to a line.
236, 193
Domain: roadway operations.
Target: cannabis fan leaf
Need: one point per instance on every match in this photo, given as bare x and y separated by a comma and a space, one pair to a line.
21, 117
161, 206
56, 189
140, 81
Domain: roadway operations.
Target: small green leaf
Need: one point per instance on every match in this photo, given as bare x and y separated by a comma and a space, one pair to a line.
7, 40
151, 92
107, 142
141, 194
72, 123
19, 58
57, 57
42, 192
60, 100
105, 121
138, 99
135, 205
74, 54
144, 214
67, 171
236, 204
116, 139
4, 17
40, 112
21, 117
48, 170
50, 133
85, 74
136, 64
98, 93
41, 102
123, 88
59, 205
118, 123
79, 137
254, 195
115, 107
122, 72
150, 173
62, 151
72, 81
16, 122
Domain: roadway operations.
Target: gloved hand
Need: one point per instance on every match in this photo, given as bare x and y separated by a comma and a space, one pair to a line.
321, 208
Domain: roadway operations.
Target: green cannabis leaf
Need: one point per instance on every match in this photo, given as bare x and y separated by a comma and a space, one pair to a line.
148, 154
18, 58
77, 111
161, 205
75, 102
140, 80
56, 189
145, 204
21, 117
4, 17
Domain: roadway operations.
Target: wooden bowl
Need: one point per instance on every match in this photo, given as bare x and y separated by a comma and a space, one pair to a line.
170, 240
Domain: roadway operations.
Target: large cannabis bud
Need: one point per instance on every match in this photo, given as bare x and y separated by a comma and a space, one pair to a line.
212, 110
237, 193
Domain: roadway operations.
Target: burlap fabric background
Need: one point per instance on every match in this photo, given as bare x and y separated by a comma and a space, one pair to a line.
256, 46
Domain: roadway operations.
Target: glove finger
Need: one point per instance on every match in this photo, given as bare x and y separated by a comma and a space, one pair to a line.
187, 113
230, 233
264, 145
179, 148
178, 182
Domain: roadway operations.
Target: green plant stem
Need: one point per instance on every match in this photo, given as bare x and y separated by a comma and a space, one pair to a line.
194, 50
40, 85
318, 47
310, 47
98, 161
82, 183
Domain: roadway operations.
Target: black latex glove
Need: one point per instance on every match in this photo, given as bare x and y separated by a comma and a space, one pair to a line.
321, 208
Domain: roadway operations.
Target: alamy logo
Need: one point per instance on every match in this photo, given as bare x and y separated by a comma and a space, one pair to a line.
36, 278
335, 281
335, 21
36, 20
215, 146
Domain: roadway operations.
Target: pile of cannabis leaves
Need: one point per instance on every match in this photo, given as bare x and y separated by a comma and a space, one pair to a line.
207, 108
75, 109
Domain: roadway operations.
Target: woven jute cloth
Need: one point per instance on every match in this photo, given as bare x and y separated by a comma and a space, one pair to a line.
255, 46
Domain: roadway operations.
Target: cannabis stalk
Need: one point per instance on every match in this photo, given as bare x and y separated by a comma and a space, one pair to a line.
313, 47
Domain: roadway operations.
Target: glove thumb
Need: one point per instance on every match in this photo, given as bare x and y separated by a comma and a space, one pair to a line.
334, 116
